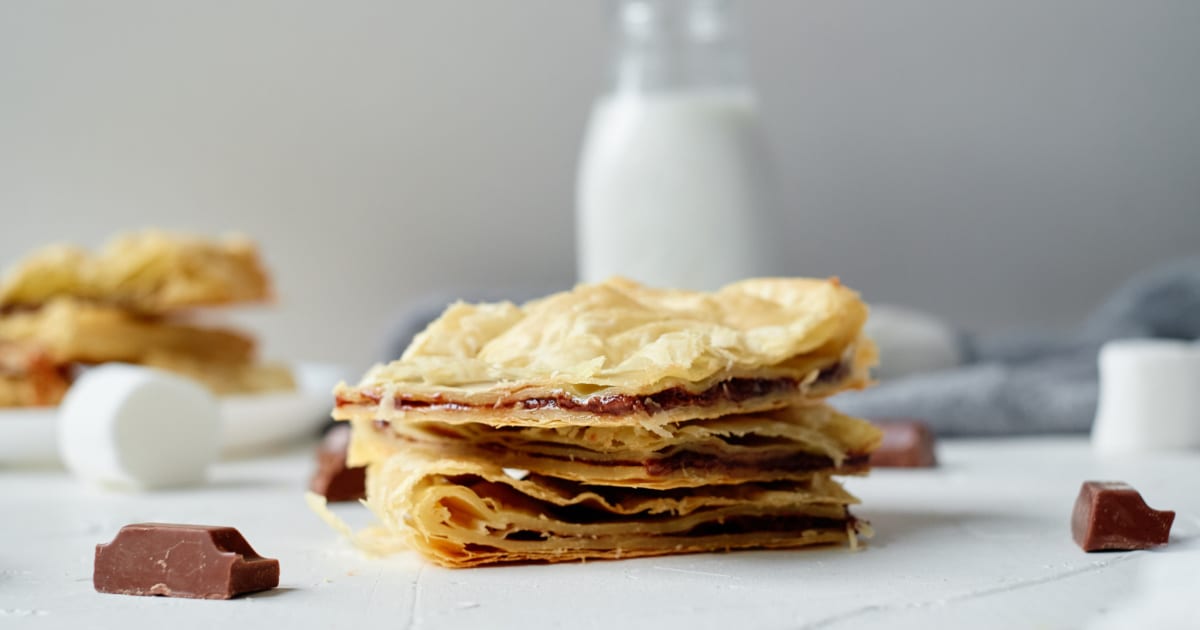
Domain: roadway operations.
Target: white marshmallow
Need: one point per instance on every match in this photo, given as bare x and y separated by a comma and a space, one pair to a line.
130, 427
1149, 396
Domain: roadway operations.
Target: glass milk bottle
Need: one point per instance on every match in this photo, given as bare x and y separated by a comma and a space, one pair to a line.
672, 188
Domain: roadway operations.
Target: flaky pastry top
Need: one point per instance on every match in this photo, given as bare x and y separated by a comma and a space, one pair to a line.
621, 337
149, 271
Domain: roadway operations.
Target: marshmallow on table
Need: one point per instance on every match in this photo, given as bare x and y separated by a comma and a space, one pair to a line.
131, 427
1149, 396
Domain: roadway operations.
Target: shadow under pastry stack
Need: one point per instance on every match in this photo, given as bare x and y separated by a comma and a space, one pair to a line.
616, 421
63, 309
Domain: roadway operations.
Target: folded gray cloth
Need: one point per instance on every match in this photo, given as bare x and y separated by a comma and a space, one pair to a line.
1038, 382
1015, 383
1051, 395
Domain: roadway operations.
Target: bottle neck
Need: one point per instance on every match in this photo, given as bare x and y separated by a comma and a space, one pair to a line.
674, 45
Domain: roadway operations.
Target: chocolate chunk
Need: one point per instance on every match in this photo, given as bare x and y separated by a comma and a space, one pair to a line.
1111, 515
906, 444
198, 561
333, 479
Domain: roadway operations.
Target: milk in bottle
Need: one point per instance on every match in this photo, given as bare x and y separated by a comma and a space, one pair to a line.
673, 180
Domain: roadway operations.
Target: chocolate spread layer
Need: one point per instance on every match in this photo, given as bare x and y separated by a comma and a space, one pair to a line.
710, 464
592, 512
780, 524
794, 523
768, 523
732, 390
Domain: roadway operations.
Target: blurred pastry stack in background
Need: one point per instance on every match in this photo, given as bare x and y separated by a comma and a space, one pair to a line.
136, 300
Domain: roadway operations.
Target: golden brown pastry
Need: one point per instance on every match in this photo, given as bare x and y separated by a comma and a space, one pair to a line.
618, 353
150, 272
795, 444
51, 271
226, 378
616, 421
73, 331
123, 303
29, 378
463, 513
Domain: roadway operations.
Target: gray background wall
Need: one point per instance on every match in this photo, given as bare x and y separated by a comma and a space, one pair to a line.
1000, 163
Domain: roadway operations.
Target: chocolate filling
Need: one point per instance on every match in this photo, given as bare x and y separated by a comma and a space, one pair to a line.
732, 390
710, 465
778, 523
793, 523
591, 512
741, 525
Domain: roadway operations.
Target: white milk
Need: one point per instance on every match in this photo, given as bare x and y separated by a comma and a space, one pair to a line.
672, 189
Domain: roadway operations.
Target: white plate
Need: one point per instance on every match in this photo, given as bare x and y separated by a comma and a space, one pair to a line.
248, 422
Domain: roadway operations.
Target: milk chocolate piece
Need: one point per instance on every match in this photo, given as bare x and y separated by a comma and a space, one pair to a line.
1111, 515
906, 444
334, 480
197, 561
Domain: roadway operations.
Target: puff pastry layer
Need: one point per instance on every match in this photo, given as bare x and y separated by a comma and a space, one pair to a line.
28, 378
789, 444
462, 513
150, 272
224, 378
621, 353
67, 332
71, 331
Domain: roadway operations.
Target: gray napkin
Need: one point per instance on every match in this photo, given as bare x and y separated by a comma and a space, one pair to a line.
1035, 381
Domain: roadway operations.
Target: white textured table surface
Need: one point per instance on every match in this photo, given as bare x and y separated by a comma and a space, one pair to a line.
980, 542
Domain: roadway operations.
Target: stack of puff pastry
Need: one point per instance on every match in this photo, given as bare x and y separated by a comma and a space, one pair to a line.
616, 420
63, 308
